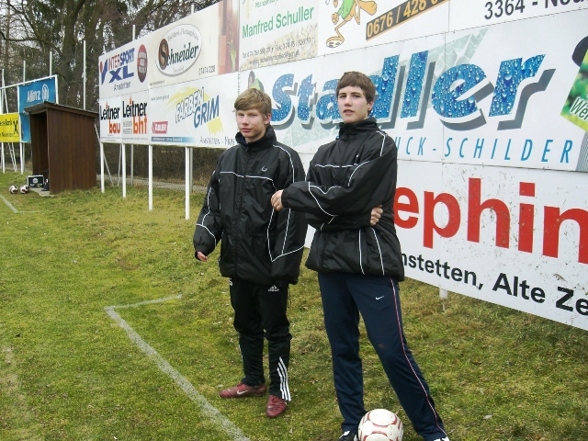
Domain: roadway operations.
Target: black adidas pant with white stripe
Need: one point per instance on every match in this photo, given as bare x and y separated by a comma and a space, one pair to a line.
377, 299
260, 311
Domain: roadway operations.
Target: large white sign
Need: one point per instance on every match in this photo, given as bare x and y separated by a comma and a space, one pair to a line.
515, 237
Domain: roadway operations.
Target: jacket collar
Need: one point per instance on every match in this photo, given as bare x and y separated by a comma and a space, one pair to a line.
267, 140
365, 125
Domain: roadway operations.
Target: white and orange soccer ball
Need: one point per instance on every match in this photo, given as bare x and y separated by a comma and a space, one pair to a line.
380, 425
12, 189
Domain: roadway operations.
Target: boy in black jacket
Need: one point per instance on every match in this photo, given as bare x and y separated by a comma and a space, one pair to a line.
348, 198
261, 249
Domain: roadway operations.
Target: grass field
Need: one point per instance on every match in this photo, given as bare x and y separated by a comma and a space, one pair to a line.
111, 330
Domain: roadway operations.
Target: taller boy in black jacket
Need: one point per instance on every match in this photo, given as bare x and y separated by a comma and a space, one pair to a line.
351, 183
261, 249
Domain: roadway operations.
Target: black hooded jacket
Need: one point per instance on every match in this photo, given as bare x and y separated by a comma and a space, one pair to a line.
258, 244
346, 179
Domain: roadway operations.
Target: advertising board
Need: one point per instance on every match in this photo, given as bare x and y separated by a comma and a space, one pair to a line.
197, 113
124, 70
9, 127
30, 94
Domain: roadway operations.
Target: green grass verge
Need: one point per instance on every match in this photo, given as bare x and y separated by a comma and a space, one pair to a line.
68, 371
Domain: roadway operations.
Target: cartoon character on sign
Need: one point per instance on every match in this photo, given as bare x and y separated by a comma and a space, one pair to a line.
349, 9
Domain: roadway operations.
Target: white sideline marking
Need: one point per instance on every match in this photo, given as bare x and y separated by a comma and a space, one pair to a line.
166, 368
9, 204
13, 208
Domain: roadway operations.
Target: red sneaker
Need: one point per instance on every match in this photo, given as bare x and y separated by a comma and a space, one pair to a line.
275, 406
243, 390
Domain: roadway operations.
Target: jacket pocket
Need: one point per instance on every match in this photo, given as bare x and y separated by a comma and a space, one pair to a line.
370, 245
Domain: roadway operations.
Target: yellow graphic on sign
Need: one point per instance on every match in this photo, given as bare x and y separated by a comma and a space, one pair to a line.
9, 127
194, 104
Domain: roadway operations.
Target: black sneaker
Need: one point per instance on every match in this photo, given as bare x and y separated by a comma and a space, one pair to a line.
349, 436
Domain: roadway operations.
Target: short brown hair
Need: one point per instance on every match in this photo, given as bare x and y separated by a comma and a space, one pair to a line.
358, 79
254, 99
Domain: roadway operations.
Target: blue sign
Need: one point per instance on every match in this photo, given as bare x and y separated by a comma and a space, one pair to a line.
30, 94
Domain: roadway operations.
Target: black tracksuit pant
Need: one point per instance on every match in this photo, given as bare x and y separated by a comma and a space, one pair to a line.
344, 297
260, 311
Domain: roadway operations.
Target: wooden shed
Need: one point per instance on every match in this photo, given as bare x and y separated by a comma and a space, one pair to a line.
63, 144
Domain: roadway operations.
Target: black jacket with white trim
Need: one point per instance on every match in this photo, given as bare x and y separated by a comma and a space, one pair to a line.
258, 244
346, 179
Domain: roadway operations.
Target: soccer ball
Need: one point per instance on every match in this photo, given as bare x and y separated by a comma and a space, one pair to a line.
12, 189
380, 425
24, 189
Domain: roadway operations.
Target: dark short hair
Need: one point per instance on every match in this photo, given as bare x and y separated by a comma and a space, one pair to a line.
254, 99
358, 79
